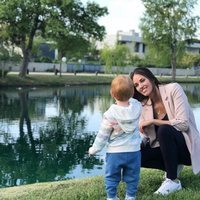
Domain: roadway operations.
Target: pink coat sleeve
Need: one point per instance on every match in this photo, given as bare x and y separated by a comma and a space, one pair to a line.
178, 107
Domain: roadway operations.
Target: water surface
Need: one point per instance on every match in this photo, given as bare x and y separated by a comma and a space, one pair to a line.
45, 132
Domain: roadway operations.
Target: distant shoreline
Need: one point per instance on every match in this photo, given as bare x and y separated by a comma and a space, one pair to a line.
50, 79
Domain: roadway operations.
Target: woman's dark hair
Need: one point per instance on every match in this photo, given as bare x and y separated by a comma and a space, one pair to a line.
148, 74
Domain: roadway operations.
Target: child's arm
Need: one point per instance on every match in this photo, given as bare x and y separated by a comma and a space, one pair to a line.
102, 137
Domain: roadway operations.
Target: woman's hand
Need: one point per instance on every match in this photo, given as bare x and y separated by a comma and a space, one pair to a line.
145, 124
157, 122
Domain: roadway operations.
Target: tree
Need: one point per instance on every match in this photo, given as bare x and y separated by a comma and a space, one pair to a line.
119, 55
72, 46
166, 25
189, 60
7, 55
22, 20
4, 56
122, 55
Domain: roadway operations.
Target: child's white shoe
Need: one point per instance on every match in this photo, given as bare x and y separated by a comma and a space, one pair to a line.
130, 198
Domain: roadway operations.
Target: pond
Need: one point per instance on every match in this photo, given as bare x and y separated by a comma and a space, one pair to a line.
45, 132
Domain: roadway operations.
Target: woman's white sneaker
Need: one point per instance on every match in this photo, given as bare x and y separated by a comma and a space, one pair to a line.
169, 186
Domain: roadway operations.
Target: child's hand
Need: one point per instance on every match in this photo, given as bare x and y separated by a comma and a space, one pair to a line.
91, 151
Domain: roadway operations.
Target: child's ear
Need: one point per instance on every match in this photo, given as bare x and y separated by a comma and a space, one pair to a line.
111, 94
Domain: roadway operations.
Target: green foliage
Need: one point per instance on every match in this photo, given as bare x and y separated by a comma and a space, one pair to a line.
119, 56
75, 40
166, 25
93, 54
106, 56
122, 55
3, 73
135, 60
156, 57
43, 59
35, 48
189, 60
22, 20
72, 46
6, 55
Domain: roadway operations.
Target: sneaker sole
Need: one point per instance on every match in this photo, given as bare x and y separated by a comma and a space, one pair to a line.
165, 194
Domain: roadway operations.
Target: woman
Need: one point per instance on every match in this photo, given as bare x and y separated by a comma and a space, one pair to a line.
170, 135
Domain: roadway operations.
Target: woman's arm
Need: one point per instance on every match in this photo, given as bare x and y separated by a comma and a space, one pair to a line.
181, 108
177, 108
157, 122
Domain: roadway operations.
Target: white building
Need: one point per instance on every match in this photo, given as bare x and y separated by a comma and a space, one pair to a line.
133, 40
193, 48
109, 40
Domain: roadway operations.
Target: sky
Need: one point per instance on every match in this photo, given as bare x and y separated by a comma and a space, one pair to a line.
124, 15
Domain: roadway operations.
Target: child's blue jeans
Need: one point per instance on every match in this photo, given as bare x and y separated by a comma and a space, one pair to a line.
122, 166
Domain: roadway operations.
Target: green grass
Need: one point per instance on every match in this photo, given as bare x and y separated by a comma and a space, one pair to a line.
80, 79
180, 79
93, 188
52, 80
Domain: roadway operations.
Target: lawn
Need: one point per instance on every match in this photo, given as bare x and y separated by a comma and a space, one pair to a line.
93, 188
49, 79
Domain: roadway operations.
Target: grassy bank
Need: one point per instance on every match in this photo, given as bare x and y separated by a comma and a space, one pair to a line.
48, 79
93, 188
52, 80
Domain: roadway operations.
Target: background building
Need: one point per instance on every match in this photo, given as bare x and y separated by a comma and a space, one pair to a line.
133, 40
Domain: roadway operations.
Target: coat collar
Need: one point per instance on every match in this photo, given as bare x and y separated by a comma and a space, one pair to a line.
163, 93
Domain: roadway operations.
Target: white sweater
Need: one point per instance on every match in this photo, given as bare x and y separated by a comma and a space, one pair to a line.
119, 129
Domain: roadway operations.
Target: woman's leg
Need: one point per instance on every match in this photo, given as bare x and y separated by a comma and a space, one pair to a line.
152, 158
173, 149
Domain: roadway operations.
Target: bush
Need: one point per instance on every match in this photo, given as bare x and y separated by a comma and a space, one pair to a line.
146, 65
43, 59
3, 73
189, 60
50, 70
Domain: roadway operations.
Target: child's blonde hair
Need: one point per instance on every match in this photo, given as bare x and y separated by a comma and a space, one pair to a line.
122, 88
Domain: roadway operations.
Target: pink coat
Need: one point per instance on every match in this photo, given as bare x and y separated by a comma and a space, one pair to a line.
181, 117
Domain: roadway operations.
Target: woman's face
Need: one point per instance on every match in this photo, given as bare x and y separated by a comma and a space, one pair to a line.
142, 84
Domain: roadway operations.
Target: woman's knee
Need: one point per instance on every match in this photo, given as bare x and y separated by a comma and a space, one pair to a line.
165, 131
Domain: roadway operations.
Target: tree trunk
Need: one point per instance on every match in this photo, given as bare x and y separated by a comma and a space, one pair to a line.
26, 49
24, 66
24, 117
2, 72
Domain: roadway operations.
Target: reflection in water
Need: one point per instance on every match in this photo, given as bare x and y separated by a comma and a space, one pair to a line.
45, 132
